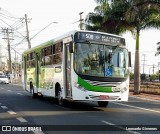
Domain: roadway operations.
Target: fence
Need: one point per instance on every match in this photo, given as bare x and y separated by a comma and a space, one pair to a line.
147, 87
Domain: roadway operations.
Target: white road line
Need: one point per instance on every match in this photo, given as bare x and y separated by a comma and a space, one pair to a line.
9, 90
37, 132
1, 88
4, 107
0, 103
21, 119
122, 128
11, 112
19, 93
136, 107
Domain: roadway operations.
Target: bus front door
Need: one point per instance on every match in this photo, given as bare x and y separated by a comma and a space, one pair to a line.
25, 73
68, 71
37, 71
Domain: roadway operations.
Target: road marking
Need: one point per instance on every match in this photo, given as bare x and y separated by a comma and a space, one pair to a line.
11, 112
136, 107
4, 107
37, 132
0, 103
122, 128
1, 87
21, 119
19, 93
9, 90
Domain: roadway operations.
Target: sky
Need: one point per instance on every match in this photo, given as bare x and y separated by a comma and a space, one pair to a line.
42, 12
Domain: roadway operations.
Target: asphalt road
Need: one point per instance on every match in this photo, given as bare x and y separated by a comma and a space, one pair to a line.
22, 113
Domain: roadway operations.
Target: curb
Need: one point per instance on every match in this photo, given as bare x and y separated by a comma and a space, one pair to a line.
143, 98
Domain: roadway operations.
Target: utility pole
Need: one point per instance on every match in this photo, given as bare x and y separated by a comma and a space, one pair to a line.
81, 20
7, 33
144, 62
28, 39
153, 68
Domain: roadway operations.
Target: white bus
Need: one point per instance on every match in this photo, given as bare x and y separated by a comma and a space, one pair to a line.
79, 66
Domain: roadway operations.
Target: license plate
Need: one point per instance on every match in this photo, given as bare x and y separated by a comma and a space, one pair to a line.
104, 97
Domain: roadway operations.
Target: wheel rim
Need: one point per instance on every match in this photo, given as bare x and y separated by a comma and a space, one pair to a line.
32, 92
60, 99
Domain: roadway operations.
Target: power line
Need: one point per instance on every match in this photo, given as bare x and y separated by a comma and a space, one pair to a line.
8, 13
11, 27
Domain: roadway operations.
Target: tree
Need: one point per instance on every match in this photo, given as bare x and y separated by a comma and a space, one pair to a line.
123, 15
108, 17
142, 14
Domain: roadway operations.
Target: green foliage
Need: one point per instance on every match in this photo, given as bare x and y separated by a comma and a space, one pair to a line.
143, 77
131, 76
123, 15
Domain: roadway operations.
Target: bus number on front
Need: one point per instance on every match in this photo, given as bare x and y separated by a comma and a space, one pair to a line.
89, 36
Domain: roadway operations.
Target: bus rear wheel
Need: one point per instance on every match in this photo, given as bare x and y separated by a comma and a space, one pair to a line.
34, 95
60, 98
103, 103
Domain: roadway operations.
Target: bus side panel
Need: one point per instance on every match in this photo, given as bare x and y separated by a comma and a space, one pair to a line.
31, 77
46, 81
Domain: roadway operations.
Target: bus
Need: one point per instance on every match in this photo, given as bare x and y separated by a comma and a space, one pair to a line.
78, 66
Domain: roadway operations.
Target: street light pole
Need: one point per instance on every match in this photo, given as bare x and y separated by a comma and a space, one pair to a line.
43, 29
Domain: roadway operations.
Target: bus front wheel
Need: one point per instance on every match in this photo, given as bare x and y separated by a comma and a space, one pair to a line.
103, 103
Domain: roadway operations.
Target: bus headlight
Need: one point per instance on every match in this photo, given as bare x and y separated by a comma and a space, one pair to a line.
76, 85
116, 89
123, 90
79, 86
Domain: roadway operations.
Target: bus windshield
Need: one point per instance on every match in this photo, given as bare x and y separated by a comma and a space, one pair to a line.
101, 60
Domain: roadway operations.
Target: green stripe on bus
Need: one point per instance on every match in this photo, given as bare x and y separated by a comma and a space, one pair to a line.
90, 87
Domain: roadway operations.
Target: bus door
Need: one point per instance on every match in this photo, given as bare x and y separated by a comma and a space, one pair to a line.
25, 73
68, 71
37, 71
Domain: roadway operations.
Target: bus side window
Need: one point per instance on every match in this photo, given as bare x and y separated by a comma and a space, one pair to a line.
48, 55
42, 57
57, 53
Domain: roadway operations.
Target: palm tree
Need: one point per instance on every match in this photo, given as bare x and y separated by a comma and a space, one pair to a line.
142, 14
108, 17
122, 15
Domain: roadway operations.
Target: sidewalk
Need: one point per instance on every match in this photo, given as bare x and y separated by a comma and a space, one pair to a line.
146, 96
17, 81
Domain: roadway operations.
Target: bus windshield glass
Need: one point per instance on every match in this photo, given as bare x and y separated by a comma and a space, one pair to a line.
101, 60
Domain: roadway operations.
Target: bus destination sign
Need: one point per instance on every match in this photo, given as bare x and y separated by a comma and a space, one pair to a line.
100, 37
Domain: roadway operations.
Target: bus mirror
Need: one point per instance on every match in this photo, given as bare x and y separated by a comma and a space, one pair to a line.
129, 59
58, 69
71, 47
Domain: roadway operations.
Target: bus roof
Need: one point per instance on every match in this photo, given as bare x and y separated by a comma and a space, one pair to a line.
60, 38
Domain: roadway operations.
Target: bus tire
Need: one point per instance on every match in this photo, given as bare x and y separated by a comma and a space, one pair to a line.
60, 98
103, 103
32, 91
